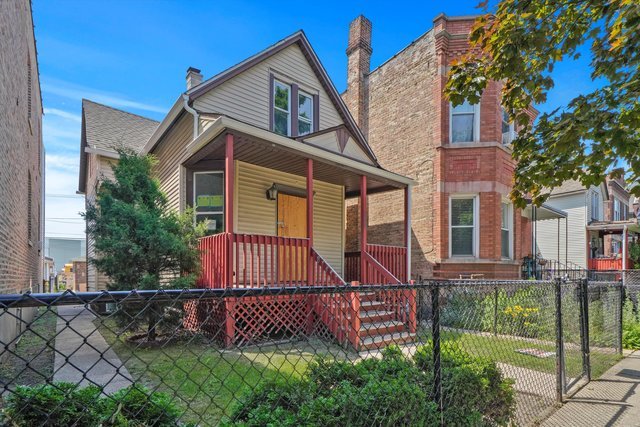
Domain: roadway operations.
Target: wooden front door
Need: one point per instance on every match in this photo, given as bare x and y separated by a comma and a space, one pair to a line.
292, 222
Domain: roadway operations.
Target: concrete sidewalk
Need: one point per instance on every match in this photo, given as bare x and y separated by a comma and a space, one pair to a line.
82, 354
611, 400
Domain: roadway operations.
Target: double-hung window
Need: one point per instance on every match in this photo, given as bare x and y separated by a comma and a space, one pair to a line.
465, 123
463, 228
293, 110
208, 196
505, 230
616, 210
281, 108
595, 206
305, 113
508, 129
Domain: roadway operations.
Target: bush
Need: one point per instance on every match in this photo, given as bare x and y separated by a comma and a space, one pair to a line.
394, 390
62, 404
57, 404
631, 337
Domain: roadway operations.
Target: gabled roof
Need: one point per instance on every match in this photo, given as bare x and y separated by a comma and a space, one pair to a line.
301, 40
105, 129
575, 186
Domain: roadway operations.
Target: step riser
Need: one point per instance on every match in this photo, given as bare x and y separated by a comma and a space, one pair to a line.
383, 330
386, 343
373, 306
375, 317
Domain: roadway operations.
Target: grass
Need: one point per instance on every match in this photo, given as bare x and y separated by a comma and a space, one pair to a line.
207, 381
31, 362
503, 349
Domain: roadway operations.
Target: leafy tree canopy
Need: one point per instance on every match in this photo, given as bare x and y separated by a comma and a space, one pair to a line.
139, 239
518, 45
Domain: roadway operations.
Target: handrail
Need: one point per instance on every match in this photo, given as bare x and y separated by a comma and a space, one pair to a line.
380, 269
320, 262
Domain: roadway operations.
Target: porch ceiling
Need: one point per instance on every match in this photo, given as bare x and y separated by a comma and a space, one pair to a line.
614, 227
261, 152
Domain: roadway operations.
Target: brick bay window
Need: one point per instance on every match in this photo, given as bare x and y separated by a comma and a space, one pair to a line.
294, 112
465, 123
463, 229
208, 196
506, 228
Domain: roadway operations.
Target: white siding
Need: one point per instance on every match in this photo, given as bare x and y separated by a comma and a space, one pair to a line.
246, 96
600, 214
547, 233
257, 215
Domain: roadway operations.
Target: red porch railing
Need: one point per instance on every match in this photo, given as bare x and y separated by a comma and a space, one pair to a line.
600, 264
392, 258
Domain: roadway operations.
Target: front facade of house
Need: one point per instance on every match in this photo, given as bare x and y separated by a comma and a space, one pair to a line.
617, 208
463, 223
266, 153
22, 176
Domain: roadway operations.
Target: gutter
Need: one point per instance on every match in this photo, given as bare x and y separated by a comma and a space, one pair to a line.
194, 113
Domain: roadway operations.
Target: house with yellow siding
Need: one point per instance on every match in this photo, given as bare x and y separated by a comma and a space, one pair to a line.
266, 153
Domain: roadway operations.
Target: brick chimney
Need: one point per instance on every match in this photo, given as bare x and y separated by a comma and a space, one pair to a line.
358, 67
194, 77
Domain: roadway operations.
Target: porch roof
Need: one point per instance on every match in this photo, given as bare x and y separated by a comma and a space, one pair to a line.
614, 227
264, 148
543, 212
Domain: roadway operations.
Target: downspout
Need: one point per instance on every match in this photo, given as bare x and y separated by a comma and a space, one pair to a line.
194, 113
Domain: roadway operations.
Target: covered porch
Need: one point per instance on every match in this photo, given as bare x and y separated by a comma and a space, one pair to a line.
619, 260
278, 219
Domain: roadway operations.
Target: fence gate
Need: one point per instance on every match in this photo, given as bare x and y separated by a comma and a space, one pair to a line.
572, 331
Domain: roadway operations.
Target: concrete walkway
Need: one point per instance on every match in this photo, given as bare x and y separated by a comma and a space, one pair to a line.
611, 400
82, 354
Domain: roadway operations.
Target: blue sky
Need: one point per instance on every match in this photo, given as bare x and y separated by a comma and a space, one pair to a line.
133, 55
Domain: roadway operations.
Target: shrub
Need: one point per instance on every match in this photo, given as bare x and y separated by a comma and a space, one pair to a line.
631, 337
53, 404
393, 390
61, 404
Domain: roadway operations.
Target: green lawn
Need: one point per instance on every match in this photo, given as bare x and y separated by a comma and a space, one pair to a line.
503, 349
208, 381
31, 362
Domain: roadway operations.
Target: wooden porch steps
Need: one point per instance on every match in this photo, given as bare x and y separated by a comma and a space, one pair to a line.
379, 326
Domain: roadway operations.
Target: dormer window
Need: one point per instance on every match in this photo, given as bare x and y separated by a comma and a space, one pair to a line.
281, 108
294, 112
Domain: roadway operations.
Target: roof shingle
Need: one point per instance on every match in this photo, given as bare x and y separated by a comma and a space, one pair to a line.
107, 128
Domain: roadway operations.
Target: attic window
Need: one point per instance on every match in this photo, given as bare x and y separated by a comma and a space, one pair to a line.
281, 108
294, 112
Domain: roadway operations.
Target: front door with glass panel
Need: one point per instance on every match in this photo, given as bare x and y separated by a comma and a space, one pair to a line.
208, 197
292, 222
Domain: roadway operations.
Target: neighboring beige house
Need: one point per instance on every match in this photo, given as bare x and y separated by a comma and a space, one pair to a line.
104, 129
22, 175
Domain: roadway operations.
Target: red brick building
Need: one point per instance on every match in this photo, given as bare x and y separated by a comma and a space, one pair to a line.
462, 220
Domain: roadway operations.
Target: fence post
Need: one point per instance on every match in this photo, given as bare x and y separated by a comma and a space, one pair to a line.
584, 327
559, 343
495, 311
620, 317
435, 332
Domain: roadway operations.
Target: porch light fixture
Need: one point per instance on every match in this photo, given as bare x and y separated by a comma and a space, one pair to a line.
272, 192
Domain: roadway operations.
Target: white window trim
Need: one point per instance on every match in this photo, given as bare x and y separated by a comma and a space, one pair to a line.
476, 225
476, 124
277, 82
617, 210
510, 227
221, 212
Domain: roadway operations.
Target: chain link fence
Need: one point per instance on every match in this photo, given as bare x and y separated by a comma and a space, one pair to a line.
465, 352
